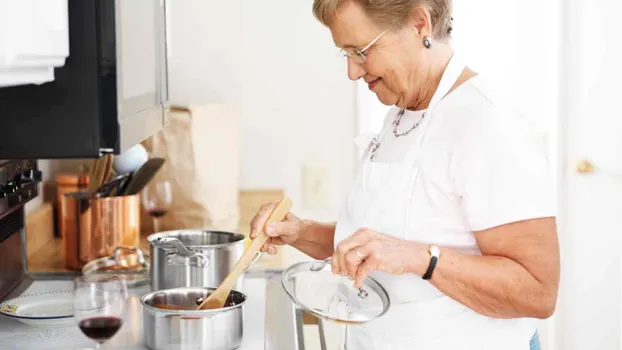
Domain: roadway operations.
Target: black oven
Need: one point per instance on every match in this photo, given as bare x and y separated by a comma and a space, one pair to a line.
19, 181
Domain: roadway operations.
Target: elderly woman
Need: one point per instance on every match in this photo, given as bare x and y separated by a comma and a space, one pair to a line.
452, 209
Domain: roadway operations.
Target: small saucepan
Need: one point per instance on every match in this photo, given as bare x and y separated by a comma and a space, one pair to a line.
171, 321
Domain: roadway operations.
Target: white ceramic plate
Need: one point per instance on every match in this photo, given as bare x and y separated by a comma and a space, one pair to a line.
41, 310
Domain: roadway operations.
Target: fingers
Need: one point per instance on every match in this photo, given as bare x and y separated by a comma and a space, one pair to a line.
279, 233
283, 232
344, 263
264, 248
272, 250
339, 266
270, 246
277, 229
354, 259
291, 217
367, 267
259, 220
334, 264
359, 238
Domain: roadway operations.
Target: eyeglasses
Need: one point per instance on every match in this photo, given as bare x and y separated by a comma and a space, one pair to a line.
359, 55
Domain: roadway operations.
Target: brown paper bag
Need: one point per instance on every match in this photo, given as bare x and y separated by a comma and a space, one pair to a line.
201, 146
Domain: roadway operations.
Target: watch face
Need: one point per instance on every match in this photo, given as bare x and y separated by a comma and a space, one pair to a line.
435, 251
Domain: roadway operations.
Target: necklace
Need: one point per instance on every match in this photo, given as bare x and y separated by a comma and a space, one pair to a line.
396, 123
375, 142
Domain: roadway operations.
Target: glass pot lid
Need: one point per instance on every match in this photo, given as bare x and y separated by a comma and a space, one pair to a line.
127, 263
314, 288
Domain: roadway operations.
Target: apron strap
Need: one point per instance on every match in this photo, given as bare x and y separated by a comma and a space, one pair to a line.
450, 77
454, 69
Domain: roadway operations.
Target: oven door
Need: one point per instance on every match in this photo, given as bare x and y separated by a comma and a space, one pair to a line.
12, 270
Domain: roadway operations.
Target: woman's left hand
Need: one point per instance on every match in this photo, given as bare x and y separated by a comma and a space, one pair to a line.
367, 251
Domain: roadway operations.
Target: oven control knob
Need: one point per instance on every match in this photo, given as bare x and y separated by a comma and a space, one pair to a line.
32, 175
8, 188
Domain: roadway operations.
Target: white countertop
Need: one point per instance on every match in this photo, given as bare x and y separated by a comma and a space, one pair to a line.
17, 336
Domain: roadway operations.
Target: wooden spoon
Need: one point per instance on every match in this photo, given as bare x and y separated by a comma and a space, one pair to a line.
93, 182
218, 298
99, 171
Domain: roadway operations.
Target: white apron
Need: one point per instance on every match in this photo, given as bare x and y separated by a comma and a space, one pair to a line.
420, 317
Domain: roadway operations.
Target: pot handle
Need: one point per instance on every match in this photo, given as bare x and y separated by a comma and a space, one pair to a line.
196, 259
175, 243
201, 260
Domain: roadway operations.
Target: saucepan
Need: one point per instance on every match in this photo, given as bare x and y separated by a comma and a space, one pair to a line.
171, 321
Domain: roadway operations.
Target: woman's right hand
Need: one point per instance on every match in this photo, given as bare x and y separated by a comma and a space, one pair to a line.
279, 233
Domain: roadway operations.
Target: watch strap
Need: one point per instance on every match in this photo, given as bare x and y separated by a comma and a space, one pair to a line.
431, 266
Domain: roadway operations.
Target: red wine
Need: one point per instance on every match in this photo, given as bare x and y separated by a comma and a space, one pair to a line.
100, 329
157, 213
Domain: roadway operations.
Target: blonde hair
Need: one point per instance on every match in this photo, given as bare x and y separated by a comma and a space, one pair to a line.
392, 13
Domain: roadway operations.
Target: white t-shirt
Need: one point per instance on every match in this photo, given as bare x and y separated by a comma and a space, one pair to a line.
480, 165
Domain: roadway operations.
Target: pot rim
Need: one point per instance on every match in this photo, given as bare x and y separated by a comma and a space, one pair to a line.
152, 237
208, 312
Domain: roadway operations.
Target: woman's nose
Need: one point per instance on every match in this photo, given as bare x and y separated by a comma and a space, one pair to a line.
355, 70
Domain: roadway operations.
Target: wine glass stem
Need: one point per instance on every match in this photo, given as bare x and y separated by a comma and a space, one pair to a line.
156, 225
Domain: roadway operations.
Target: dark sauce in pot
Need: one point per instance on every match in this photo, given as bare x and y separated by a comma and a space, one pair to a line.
187, 307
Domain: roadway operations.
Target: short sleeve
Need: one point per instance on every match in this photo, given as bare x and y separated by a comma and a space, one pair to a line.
501, 173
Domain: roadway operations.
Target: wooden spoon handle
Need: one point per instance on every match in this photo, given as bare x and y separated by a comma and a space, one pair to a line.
278, 214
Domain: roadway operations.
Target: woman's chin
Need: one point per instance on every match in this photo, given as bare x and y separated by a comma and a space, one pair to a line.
386, 99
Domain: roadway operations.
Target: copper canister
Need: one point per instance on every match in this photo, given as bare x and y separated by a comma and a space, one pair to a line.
94, 227
67, 183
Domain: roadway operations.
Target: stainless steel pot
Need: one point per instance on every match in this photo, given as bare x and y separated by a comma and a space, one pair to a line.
193, 258
221, 329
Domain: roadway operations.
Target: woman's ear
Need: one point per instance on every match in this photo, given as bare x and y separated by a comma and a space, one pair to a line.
420, 21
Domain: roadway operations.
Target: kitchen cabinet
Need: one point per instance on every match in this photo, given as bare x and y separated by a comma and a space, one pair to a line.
111, 93
34, 39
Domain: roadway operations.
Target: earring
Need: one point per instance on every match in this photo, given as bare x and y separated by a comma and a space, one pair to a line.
427, 42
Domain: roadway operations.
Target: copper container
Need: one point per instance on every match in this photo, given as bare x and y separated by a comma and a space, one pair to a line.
94, 227
67, 183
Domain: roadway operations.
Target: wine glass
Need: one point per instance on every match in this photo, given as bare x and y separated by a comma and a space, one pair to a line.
99, 306
157, 200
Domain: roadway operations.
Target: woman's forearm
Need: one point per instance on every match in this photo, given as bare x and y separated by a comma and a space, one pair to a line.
491, 285
316, 239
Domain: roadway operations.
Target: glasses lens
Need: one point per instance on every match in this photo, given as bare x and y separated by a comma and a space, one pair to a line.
354, 54
360, 57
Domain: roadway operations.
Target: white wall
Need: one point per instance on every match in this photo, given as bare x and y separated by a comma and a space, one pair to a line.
515, 45
280, 68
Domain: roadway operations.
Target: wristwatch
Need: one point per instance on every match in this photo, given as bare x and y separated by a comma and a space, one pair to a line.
435, 253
